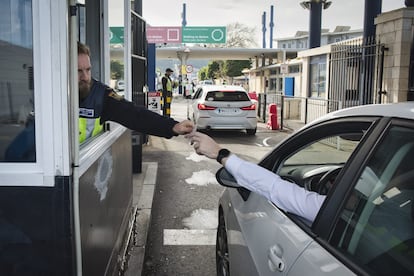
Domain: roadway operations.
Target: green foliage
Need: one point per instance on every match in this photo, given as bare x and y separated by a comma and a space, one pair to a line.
202, 73
233, 68
117, 70
238, 36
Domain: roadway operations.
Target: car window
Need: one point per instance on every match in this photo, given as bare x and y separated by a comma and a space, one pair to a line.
309, 164
376, 225
197, 93
227, 96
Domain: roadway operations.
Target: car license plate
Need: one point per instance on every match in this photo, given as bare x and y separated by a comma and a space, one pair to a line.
228, 110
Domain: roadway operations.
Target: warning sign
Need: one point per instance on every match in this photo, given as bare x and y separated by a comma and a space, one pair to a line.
154, 101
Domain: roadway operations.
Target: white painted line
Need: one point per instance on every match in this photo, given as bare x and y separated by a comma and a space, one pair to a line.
151, 173
265, 141
189, 237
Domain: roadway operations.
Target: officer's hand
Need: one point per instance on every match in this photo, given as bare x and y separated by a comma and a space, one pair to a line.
183, 127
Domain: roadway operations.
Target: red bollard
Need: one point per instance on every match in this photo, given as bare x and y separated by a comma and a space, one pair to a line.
272, 121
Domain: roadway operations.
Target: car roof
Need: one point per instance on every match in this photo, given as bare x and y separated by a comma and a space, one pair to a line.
403, 110
223, 88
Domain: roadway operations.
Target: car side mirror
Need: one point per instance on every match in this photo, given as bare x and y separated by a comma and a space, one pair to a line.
225, 179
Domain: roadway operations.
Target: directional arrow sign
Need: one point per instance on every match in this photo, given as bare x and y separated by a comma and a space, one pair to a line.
204, 34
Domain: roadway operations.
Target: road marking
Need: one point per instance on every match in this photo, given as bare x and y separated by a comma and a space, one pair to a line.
189, 237
265, 141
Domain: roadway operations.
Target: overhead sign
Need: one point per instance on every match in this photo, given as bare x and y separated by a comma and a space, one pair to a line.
164, 34
116, 35
204, 35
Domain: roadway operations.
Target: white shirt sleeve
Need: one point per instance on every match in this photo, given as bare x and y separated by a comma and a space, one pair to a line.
284, 194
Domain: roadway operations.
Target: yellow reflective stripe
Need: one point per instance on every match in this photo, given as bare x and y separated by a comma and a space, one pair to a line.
169, 85
82, 129
98, 128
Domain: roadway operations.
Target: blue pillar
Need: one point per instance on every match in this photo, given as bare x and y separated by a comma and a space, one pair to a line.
271, 27
151, 67
184, 16
264, 29
315, 24
372, 9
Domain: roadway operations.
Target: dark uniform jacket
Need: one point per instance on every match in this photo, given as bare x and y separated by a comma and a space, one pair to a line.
103, 102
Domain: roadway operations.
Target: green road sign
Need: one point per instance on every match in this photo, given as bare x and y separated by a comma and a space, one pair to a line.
116, 35
204, 35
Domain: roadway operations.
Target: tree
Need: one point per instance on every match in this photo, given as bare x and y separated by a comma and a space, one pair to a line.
238, 36
117, 70
234, 68
214, 69
202, 73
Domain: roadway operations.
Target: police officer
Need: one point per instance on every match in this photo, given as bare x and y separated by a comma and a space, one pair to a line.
99, 103
167, 87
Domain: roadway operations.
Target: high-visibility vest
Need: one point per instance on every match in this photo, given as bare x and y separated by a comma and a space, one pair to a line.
169, 84
89, 128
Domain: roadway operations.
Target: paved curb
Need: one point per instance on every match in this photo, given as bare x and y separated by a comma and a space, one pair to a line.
143, 189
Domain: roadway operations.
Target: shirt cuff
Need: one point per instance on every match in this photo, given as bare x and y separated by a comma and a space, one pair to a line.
233, 163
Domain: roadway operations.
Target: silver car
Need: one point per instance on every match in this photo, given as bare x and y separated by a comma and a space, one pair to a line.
227, 107
362, 159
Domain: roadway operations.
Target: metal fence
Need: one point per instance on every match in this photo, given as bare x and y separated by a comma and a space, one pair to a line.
300, 109
355, 78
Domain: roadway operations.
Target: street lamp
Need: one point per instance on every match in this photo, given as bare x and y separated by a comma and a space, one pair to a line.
183, 57
325, 4
246, 73
315, 7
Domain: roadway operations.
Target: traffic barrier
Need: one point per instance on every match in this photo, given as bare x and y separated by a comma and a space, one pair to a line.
272, 122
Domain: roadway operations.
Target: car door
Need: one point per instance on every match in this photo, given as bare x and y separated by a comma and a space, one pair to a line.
273, 239
372, 212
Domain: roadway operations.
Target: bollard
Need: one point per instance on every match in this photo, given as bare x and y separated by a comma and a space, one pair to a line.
272, 121
167, 99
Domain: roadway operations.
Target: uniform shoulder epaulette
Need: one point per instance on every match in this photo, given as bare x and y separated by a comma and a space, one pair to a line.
114, 95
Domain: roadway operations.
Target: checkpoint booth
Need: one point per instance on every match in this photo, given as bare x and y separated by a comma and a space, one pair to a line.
65, 205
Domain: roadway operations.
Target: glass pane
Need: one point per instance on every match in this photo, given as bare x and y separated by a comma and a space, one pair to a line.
332, 150
320, 160
17, 129
116, 30
376, 227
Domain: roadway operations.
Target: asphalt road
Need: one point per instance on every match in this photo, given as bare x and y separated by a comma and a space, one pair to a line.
181, 236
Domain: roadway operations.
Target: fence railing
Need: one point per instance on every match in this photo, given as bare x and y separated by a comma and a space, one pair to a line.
299, 109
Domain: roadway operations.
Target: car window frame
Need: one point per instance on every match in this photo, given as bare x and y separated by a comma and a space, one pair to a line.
325, 222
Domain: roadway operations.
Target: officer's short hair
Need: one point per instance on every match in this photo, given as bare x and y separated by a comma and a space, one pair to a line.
83, 49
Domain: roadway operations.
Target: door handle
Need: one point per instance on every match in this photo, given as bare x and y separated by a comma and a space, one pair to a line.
275, 261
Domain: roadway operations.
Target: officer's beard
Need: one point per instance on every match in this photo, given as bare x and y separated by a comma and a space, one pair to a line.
84, 89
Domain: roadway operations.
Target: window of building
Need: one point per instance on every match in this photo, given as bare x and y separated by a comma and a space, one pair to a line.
272, 85
294, 69
318, 77
17, 108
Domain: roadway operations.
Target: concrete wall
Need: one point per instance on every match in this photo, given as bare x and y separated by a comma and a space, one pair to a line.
395, 30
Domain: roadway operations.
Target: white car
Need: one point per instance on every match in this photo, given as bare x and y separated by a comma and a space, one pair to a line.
120, 85
223, 107
362, 161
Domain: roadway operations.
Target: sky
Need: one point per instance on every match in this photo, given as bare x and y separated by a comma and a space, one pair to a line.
288, 15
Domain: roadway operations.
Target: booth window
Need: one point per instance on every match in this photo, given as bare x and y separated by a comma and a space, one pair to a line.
17, 108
